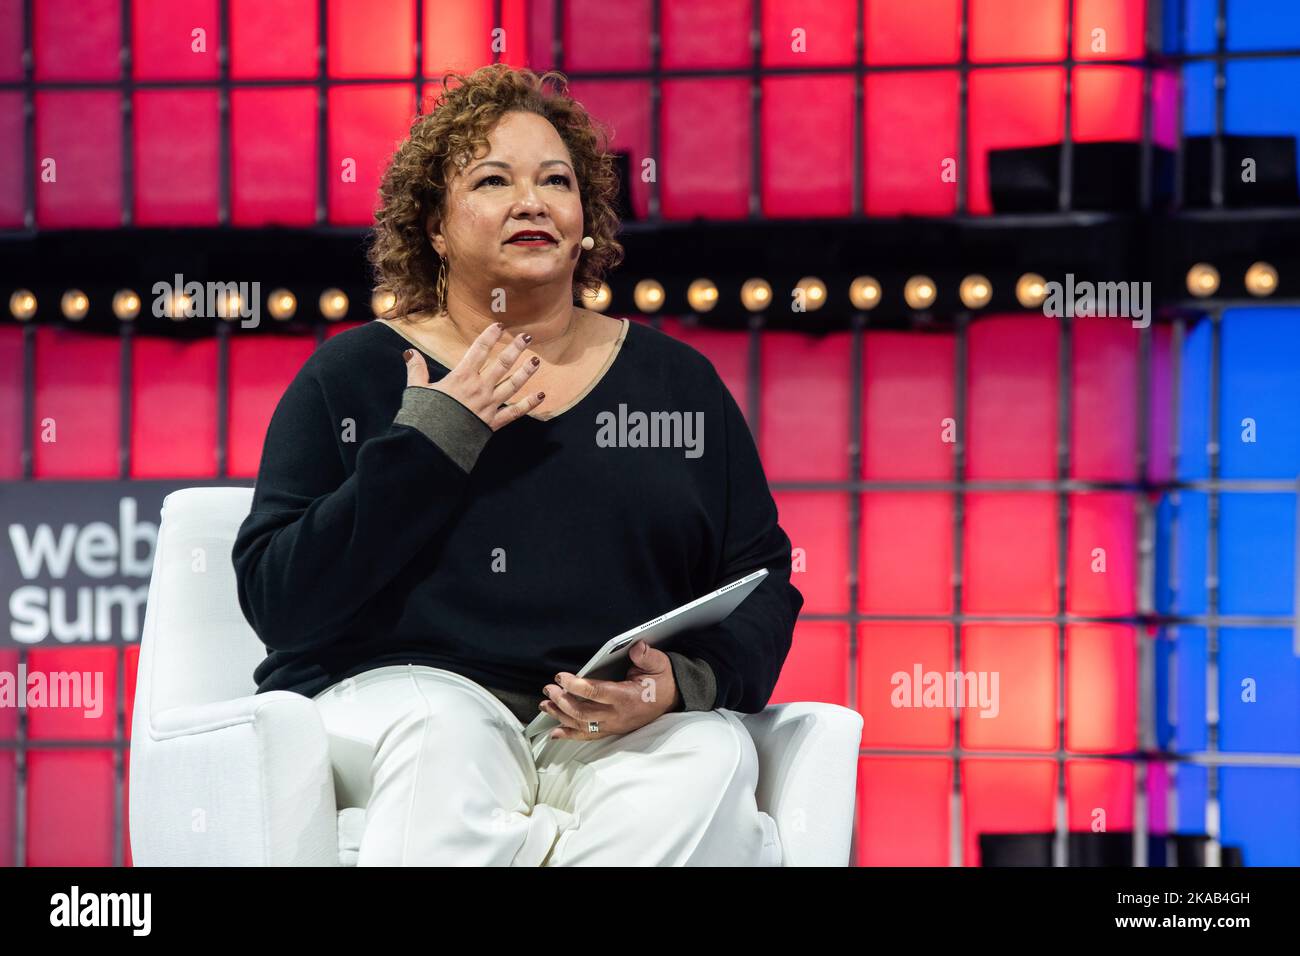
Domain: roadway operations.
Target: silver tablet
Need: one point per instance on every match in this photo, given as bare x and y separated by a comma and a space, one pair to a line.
611, 661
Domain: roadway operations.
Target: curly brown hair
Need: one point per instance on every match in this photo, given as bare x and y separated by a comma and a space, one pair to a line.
415, 183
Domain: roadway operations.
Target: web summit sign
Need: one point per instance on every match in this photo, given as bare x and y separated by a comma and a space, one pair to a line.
77, 558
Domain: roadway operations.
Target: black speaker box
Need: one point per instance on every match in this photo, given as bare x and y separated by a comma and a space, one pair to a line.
1100, 849
1016, 849
1274, 160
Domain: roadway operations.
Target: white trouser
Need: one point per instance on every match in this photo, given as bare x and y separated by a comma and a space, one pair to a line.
447, 777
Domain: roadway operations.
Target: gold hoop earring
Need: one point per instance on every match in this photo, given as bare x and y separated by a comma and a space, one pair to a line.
442, 286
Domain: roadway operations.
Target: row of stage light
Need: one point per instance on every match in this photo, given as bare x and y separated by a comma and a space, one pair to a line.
919, 292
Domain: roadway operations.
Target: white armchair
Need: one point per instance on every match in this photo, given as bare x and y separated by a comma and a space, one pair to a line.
221, 776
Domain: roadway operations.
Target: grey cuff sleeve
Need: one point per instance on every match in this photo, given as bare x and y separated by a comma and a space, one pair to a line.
446, 422
697, 686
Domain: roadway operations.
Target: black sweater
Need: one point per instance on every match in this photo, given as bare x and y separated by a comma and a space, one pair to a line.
391, 525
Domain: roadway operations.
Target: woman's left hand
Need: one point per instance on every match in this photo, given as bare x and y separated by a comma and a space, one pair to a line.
620, 706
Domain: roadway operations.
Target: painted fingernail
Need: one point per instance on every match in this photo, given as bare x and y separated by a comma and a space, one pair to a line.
536, 361
527, 338
406, 356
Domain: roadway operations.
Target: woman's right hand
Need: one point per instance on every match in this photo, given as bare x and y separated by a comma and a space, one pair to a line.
483, 392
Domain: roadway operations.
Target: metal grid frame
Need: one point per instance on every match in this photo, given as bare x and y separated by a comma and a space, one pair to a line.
1062, 487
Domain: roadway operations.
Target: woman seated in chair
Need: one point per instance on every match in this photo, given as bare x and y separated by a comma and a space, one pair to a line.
459, 502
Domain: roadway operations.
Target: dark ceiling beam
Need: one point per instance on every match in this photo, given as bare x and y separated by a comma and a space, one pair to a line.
1096, 247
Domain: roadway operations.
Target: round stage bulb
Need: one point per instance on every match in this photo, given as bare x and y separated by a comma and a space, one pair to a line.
382, 302
919, 292
1031, 290
126, 304
864, 293
756, 295
176, 307
229, 306
975, 291
282, 304
702, 295
648, 296
812, 292
22, 304
75, 304
1202, 280
1261, 279
599, 300
333, 304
